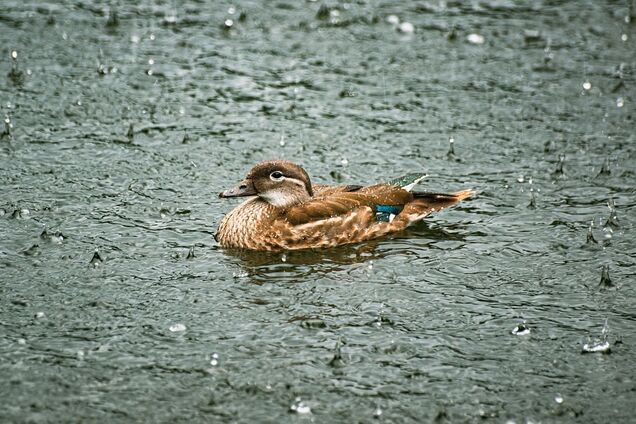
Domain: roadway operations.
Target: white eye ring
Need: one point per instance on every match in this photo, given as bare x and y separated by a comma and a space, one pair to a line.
276, 176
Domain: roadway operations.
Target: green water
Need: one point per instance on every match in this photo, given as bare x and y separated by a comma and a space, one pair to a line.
123, 121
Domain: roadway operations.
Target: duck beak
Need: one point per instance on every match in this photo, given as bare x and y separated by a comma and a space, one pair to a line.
245, 188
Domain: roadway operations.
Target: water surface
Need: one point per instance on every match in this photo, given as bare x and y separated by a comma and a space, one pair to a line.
123, 122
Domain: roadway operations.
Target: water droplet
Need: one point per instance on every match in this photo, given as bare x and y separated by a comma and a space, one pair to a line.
231, 10
21, 341
135, 39
559, 168
152, 37
620, 102
558, 398
344, 161
300, 407
393, 20
521, 329
228, 23
451, 148
590, 234
624, 37
337, 361
605, 168
612, 220
151, 61
476, 39
214, 359
14, 54
377, 413
80, 355
406, 28
587, 85
131, 132
533, 200
283, 258
96, 260
606, 281
597, 347
177, 328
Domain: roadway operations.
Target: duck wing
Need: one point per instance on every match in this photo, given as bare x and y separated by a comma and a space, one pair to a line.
340, 203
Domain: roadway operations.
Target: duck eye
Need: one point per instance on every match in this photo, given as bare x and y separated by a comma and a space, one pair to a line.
276, 175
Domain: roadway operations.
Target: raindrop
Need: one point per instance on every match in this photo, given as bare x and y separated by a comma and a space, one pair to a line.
393, 20
620, 102
15, 74
599, 345
283, 258
624, 37
96, 260
152, 37
549, 146
476, 39
8, 127
605, 168
606, 281
558, 398
56, 237
113, 19
587, 85
177, 328
20, 214
21, 341
406, 28
151, 61
214, 360
300, 407
32, 251
533, 200
323, 13
228, 24
344, 162
231, 10
590, 234
520, 179
337, 361
40, 315
612, 220
377, 413
451, 148
131, 132
521, 329
559, 168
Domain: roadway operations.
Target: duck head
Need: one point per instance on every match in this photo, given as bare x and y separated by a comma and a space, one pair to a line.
278, 182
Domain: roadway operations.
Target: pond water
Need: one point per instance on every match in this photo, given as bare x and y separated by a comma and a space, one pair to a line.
124, 120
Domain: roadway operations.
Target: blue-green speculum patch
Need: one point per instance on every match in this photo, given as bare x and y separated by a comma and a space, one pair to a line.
386, 213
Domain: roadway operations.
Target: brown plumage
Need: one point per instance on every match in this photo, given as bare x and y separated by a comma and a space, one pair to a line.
284, 211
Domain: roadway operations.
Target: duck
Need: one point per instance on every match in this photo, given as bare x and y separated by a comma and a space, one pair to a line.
285, 211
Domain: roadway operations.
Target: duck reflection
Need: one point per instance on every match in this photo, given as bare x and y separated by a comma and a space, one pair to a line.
294, 265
